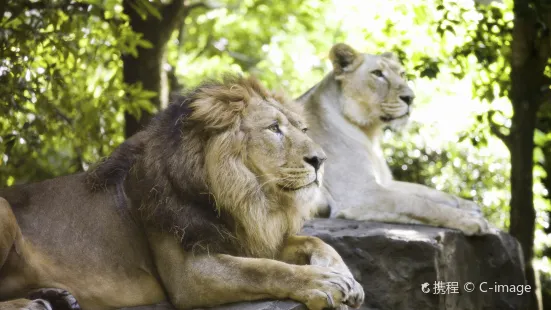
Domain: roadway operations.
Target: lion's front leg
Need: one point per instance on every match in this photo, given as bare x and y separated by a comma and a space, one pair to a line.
25, 304
203, 280
10, 233
306, 250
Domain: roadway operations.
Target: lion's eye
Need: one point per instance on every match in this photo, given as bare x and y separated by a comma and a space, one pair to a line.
377, 73
403, 75
275, 128
304, 130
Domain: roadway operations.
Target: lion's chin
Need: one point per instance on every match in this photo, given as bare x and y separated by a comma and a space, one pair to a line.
390, 118
312, 185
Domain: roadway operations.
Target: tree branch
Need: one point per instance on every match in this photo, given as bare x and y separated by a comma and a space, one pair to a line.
546, 95
191, 7
171, 13
495, 129
174, 14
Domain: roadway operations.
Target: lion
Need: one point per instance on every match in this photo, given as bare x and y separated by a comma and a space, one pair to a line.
347, 112
201, 208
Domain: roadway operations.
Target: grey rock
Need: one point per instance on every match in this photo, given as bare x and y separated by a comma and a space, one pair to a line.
248, 305
392, 261
262, 305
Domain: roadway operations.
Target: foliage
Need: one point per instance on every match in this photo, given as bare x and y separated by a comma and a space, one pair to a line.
61, 94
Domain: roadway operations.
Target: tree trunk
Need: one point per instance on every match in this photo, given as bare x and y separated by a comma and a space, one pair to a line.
147, 67
522, 207
528, 60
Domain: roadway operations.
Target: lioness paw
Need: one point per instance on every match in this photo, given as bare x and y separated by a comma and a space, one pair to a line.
474, 225
328, 288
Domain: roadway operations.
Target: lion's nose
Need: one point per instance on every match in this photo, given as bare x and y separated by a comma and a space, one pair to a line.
407, 99
315, 161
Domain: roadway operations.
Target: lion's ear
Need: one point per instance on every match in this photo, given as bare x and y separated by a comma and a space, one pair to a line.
216, 113
344, 59
219, 106
391, 56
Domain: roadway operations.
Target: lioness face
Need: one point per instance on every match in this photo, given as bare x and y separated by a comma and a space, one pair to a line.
376, 90
278, 151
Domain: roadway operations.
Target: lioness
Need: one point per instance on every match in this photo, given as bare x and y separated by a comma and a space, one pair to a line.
347, 111
201, 208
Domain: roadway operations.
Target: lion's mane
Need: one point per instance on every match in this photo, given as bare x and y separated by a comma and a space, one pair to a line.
185, 173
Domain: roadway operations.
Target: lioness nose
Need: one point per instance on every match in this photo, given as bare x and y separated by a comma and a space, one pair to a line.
407, 99
315, 161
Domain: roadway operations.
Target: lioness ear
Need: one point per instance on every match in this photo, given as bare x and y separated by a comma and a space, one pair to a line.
344, 59
390, 55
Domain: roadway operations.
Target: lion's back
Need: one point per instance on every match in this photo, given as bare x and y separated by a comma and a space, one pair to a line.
66, 219
75, 231
63, 197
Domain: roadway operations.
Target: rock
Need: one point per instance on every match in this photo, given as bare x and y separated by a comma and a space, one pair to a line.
393, 261
249, 305
262, 305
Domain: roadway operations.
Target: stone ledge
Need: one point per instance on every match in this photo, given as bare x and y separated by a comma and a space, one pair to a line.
392, 261
262, 305
253, 305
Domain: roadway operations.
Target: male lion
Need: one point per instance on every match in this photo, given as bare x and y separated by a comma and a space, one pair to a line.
201, 208
347, 111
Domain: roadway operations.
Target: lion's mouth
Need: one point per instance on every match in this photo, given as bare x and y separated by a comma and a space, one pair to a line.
388, 118
287, 188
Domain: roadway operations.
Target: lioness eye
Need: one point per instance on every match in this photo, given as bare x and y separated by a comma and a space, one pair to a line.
275, 128
403, 74
304, 130
377, 73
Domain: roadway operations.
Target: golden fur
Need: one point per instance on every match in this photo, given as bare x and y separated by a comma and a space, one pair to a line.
201, 208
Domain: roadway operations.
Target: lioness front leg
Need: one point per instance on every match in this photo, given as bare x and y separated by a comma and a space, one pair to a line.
435, 196
203, 280
386, 205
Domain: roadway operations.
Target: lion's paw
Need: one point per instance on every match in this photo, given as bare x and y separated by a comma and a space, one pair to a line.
38, 304
327, 288
59, 299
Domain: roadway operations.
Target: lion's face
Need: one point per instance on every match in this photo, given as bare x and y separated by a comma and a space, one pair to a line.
258, 147
375, 87
278, 151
